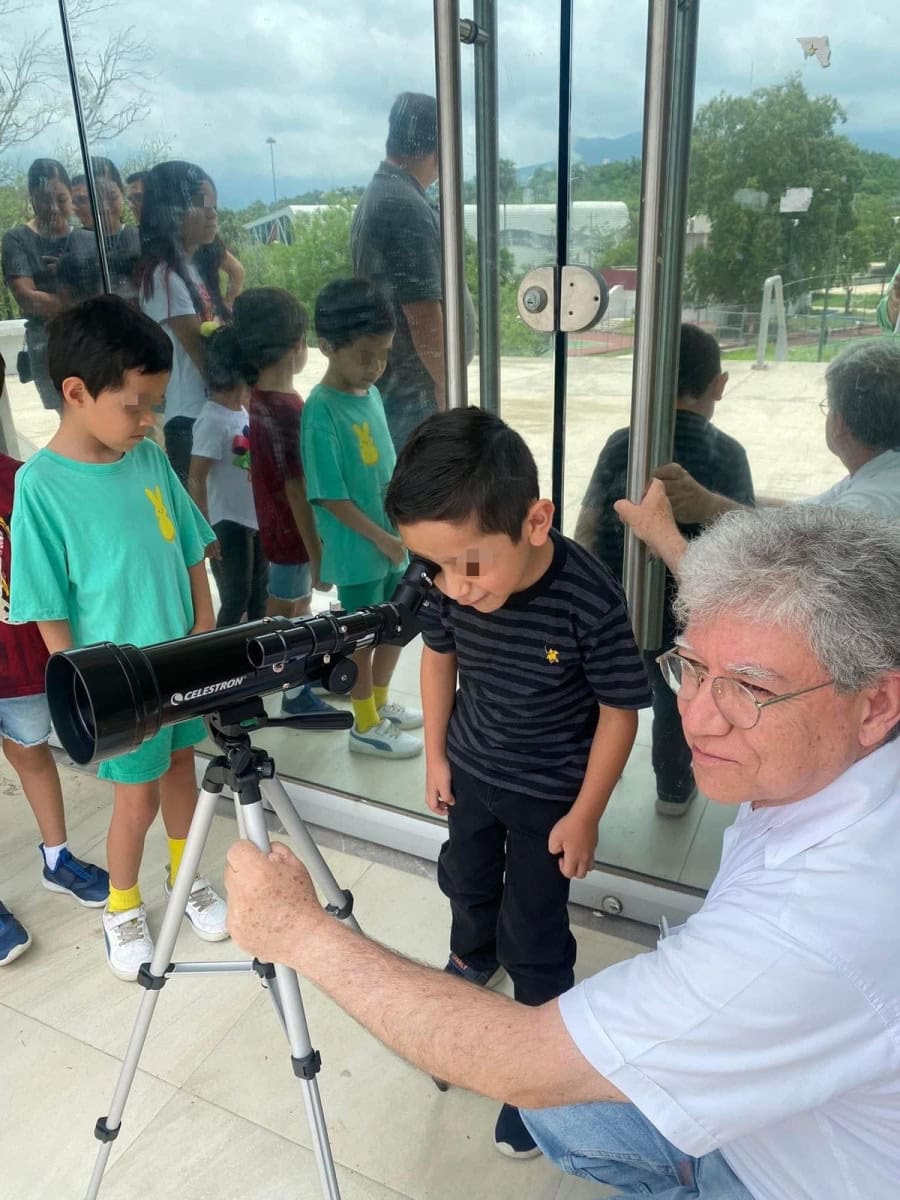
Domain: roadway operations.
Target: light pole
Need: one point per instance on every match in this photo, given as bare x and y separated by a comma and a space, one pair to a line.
270, 142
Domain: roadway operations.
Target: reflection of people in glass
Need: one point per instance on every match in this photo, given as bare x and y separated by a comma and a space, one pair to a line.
348, 458
80, 269
220, 483
718, 462
134, 192
270, 327
31, 257
213, 260
178, 216
396, 242
862, 428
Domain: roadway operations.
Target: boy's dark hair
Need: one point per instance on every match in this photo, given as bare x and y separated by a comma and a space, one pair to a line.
268, 322
100, 339
463, 464
699, 362
412, 126
224, 364
352, 308
136, 177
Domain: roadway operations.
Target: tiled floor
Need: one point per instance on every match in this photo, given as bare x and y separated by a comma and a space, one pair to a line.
216, 1113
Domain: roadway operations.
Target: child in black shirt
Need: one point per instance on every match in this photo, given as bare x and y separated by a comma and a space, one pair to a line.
523, 758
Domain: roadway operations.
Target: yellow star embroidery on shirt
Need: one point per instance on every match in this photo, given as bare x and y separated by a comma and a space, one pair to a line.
552, 655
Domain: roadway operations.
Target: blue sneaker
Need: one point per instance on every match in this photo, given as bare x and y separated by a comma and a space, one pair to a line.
87, 883
456, 966
305, 703
14, 937
511, 1137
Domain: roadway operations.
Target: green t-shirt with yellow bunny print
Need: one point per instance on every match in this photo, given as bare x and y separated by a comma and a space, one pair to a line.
106, 547
347, 454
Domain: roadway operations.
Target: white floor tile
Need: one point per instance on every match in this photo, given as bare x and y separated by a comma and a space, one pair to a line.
54, 1089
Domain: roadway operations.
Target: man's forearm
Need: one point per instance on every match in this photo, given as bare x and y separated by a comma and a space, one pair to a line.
450, 1029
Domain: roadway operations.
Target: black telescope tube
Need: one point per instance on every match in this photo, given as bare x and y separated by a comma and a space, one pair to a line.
106, 699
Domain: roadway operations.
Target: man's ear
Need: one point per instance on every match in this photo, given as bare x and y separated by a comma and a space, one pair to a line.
882, 712
539, 521
75, 392
718, 385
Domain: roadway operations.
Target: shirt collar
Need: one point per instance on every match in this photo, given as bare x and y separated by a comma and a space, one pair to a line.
395, 172
887, 460
863, 787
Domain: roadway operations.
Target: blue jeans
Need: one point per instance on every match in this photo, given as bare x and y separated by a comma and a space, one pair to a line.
616, 1144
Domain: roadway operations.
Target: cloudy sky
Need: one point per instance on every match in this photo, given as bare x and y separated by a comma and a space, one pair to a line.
227, 74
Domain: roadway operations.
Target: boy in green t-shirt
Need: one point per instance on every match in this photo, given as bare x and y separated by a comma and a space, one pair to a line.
109, 547
348, 458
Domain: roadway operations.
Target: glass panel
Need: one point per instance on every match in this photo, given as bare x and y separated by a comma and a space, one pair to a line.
780, 186
44, 242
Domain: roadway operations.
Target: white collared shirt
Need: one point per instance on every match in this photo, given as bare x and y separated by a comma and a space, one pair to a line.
768, 1026
874, 488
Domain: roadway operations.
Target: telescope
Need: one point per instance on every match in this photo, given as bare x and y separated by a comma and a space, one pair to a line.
107, 699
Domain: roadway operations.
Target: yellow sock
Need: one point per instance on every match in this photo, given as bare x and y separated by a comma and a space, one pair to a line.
366, 713
122, 901
176, 850
381, 696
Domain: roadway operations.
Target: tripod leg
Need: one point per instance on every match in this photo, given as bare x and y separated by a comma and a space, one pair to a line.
306, 1061
107, 1128
339, 902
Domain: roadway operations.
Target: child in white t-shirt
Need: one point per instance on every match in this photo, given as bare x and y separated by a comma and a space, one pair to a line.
178, 216
219, 483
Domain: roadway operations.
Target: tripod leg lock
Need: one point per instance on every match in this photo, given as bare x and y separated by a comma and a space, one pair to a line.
103, 1133
345, 910
153, 983
265, 970
307, 1067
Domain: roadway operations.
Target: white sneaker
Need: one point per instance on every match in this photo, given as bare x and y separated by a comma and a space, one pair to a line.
401, 715
205, 909
385, 741
128, 941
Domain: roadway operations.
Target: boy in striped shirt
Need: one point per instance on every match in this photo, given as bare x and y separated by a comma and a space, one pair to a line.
531, 682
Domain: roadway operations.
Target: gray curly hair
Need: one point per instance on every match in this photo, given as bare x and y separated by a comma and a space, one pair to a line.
830, 575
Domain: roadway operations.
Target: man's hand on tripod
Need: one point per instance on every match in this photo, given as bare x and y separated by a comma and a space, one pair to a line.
272, 904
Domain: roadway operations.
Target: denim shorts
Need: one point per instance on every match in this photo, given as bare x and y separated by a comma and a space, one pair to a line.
152, 759
289, 581
25, 720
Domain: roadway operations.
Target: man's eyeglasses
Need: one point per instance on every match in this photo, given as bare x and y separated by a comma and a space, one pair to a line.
734, 700
824, 406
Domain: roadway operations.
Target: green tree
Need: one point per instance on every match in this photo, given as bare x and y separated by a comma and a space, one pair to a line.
746, 151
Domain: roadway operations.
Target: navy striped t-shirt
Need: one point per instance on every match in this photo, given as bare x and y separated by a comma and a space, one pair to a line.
532, 674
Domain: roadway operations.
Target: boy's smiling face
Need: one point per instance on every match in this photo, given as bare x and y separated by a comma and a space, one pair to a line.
482, 570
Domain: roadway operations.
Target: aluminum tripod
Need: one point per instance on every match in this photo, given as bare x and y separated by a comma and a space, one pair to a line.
250, 774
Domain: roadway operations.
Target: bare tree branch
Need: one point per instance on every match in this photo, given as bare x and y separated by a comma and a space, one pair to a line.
102, 75
28, 101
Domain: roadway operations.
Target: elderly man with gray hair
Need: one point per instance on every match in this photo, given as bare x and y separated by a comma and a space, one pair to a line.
755, 1054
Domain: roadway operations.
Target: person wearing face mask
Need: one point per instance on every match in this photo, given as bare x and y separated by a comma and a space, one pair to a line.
31, 257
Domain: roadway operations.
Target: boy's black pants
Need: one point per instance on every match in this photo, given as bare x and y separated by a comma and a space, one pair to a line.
507, 894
